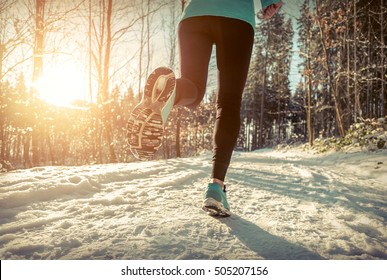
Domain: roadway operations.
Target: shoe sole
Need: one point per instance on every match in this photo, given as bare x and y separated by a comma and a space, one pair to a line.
215, 208
145, 126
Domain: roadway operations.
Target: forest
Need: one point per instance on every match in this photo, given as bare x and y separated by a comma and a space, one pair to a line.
105, 49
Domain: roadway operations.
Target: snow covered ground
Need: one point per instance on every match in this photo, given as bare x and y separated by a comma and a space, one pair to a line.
286, 205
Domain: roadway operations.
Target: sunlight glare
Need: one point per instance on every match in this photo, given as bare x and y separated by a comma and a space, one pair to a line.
62, 85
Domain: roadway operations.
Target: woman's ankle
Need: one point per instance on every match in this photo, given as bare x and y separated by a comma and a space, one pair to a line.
217, 181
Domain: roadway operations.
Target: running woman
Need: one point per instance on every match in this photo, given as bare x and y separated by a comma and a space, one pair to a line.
229, 25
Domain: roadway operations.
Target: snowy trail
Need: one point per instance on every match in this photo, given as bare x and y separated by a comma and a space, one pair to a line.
286, 205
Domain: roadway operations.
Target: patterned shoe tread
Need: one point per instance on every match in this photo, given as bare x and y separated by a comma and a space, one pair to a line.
215, 208
145, 125
216, 212
145, 132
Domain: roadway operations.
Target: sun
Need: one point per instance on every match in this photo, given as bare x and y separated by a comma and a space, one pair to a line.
61, 85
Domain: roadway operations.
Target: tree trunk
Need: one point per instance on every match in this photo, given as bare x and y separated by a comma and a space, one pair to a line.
348, 50
329, 72
142, 44
357, 111
309, 121
148, 49
368, 98
279, 111
107, 111
90, 56
2, 123
26, 150
382, 98
39, 40
178, 128
263, 96
38, 71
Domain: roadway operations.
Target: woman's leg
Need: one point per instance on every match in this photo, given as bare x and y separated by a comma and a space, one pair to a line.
234, 41
195, 46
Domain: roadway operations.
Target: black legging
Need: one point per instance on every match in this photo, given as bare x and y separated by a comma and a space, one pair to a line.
234, 40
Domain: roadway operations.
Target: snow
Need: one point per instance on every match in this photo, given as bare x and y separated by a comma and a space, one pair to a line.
286, 204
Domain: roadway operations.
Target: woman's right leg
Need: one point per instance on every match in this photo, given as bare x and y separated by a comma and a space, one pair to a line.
234, 42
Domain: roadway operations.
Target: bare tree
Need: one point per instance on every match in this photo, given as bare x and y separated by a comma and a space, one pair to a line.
327, 59
13, 34
44, 22
383, 9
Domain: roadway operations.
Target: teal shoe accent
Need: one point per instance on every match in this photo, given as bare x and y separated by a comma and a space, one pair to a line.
168, 107
215, 201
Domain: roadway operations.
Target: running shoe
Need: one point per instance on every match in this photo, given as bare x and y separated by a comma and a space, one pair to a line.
145, 126
215, 201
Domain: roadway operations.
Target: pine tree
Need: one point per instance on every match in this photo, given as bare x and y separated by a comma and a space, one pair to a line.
267, 94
